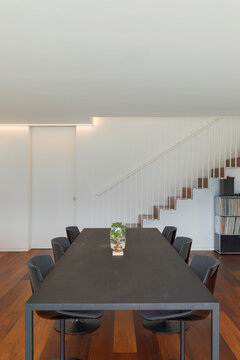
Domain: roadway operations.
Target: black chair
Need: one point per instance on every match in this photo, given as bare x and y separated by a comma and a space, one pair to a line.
59, 246
72, 326
169, 232
206, 268
72, 233
38, 268
183, 246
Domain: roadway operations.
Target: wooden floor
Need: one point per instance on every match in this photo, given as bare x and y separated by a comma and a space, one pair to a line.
121, 335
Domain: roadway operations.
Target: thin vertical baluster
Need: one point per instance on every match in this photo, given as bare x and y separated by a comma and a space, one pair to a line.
136, 177
135, 190
168, 175
92, 197
219, 149
164, 186
117, 200
230, 124
224, 129
208, 156
181, 166
203, 156
123, 202
235, 131
103, 215
108, 203
113, 204
136, 194
175, 174
147, 183
154, 190
130, 192
197, 152
191, 163
142, 192
120, 201
186, 168
151, 188
214, 151
158, 187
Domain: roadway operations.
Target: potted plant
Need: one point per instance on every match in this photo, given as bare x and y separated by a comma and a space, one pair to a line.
117, 235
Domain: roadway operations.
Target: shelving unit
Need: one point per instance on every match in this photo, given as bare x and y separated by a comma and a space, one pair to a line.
227, 225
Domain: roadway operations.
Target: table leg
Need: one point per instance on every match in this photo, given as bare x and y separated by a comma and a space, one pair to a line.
28, 333
215, 332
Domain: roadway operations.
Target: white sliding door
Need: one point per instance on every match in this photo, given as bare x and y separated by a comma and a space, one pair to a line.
14, 188
53, 183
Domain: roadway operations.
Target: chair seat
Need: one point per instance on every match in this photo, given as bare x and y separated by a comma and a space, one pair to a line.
85, 314
57, 315
164, 314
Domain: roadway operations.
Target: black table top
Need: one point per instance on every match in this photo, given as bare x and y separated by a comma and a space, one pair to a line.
150, 275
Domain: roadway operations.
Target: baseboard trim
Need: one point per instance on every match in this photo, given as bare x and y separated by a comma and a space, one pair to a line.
43, 248
13, 249
202, 249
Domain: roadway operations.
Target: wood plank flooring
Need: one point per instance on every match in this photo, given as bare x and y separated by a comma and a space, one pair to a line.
121, 335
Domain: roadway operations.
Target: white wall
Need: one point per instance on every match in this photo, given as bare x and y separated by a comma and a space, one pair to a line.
14, 188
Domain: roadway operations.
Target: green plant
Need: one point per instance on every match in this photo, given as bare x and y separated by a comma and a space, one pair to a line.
117, 230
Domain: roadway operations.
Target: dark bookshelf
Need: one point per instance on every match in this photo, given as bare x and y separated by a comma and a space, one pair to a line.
227, 225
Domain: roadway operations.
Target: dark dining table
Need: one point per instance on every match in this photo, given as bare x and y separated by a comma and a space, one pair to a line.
150, 276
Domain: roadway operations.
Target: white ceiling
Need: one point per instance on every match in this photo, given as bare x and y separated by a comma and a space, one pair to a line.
68, 60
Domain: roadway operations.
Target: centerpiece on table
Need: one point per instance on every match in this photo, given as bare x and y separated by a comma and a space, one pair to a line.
118, 238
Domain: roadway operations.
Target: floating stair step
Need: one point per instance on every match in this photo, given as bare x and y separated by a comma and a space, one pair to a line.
157, 208
186, 193
133, 225
233, 162
163, 207
172, 202
203, 183
217, 173
145, 217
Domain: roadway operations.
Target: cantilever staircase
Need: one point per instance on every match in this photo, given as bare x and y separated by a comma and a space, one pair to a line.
170, 176
187, 193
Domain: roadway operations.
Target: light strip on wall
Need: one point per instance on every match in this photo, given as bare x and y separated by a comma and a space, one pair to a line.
48, 124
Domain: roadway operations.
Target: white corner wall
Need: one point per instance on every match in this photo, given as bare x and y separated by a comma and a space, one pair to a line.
14, 188
104, 152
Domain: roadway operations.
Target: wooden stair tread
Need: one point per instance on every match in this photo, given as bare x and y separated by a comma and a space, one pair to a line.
133, 225
232, 162
202, 183
144, 217
187, 192
218, 172
160, 207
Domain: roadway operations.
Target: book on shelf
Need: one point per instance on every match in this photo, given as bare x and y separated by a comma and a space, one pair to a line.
227, 225
228, 206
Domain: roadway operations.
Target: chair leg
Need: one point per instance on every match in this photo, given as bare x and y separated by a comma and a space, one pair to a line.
182, 340
62, 339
